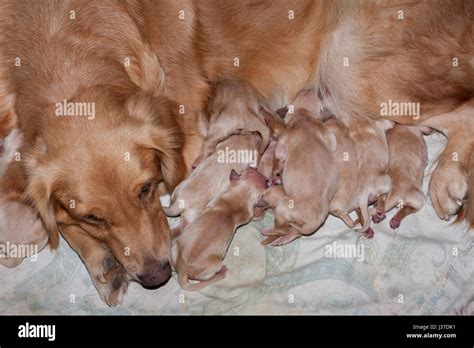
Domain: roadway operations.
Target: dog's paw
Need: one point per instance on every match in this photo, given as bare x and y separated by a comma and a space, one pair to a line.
369, 233
395, 222
448, 188
111, 281
378, 216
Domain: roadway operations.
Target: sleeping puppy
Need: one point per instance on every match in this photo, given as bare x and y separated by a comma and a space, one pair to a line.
198, 253
345, 199
372, 165
234, 109
304, 163
19, 225
211, 178
408, 160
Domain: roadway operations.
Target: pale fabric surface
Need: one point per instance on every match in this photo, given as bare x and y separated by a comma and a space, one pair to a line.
417, 262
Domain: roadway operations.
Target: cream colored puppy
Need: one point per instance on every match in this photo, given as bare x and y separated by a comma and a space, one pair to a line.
408, 160
345, 200
198, 253
21, 231
211, 177
234, 109
304, 163
371, 147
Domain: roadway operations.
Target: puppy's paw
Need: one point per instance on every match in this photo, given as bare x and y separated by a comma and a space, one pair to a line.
369, 233
111, 282
378, 216
395, 222
448, 188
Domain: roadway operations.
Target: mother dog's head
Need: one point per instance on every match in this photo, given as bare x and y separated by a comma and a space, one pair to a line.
101, 174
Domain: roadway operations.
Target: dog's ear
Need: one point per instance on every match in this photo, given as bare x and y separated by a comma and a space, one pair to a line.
39, 190
163, 134
330, 140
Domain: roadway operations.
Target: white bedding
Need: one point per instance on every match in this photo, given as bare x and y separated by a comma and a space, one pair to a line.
425, 267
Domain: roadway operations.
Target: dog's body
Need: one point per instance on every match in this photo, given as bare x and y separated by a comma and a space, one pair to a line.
199, 251
210, 179
408, 160
356, 55
309, 178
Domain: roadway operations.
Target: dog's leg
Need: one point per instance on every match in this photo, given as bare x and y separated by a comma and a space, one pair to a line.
369, 232
108, 277
449, 182
379, 214
400, 215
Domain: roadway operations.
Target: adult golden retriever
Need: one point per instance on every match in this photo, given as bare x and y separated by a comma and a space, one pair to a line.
148, 68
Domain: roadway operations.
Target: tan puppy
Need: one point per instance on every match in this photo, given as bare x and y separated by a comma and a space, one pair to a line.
304, 160
199, 251
408, 160
21, 230
372, 165
345, 199
211, 178
234, 109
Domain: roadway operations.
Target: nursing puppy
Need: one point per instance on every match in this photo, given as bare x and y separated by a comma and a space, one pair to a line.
198, 253
408, 160
234, 109
371, 147
20, 226
304, 162
345, 199
211, 178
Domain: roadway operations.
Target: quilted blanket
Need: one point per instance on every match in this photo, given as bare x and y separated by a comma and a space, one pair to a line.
424, 267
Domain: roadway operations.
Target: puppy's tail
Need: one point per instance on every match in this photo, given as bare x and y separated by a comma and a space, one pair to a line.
466, 213
184, 282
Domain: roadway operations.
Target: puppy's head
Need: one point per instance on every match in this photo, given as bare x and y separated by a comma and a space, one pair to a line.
103, 176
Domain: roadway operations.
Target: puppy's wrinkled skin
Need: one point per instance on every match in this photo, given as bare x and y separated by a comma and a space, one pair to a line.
234, 109
408, 160
372, 165
304, 162
210, 179
19, 224
345, 200
199, 251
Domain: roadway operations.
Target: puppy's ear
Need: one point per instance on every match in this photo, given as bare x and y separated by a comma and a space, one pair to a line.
39, 191
262, 203
163, 134
234, 176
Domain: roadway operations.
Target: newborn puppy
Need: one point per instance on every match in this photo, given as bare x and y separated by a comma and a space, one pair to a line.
304, 162
345, 199
198, 253
211, 178
408, 160
372, 165
20, 227
234, 109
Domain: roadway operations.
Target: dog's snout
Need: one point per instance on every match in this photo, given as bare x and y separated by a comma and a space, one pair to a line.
156, 274
282, 112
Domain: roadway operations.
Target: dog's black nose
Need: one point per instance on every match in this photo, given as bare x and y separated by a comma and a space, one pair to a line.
155, 275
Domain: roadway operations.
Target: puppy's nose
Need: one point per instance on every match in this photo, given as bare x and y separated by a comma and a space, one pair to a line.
155, 275
282, 112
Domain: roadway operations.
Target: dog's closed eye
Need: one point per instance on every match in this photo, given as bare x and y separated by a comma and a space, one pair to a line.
92, 219
145, 191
